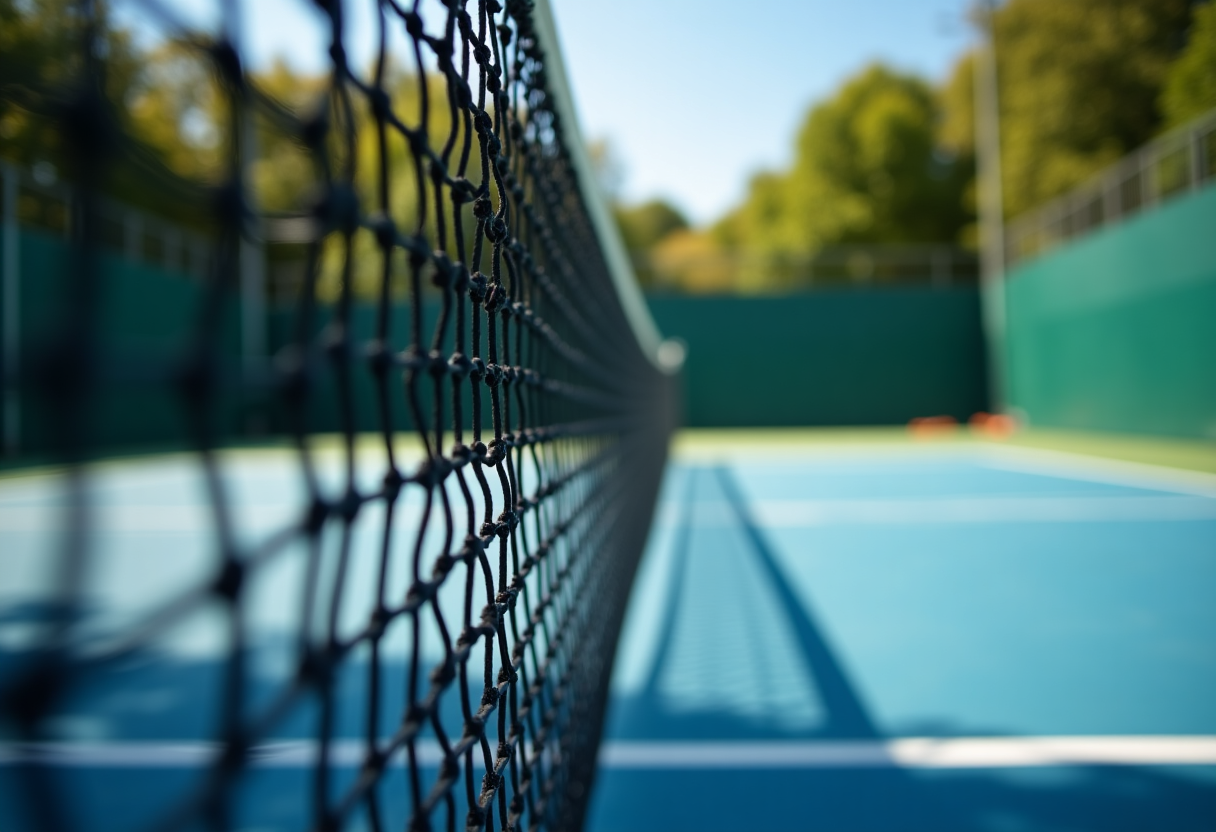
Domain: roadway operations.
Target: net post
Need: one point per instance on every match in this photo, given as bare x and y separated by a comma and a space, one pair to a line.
11, 278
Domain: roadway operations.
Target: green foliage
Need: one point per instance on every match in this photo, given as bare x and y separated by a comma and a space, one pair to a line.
643, 226
956, 135
175, 105
406, 202
37, 54
890, 160
956, 129
1079, 83
1190, 86
179, 125
868, 169
42, 69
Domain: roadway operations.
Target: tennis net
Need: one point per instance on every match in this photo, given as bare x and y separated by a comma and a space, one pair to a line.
462, 320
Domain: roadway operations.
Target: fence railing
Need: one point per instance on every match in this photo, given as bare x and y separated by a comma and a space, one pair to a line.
939, 265
1180, 161
138, 236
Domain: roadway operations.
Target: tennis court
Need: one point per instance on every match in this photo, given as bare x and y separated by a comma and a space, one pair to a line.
134, 738
879, 636
917, 637
344, 484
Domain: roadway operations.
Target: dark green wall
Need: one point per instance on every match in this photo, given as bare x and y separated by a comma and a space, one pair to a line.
1117, 331
146, 322
851, 357
323, 412
145, 318
821, 358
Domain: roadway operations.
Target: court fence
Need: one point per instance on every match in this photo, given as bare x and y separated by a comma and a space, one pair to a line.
844, 357
867, 354
1178, 162
858, 266
1115, 331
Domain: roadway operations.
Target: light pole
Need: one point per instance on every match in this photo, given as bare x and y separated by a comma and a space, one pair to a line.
991, 205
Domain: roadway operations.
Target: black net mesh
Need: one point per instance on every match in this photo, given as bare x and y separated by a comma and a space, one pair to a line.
489, 335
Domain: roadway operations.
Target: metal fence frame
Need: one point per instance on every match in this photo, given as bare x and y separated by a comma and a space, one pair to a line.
939, 265
34, 199
1179, 161
140, 237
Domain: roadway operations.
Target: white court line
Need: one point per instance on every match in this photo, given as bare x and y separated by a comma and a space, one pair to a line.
280, 754
914, 752
1020, 458
952, 510
769, 513
1075, 466
907, 752
120, 518
1055, 509
133, 518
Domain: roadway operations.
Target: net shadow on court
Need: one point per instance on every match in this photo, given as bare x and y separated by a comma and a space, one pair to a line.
950, 601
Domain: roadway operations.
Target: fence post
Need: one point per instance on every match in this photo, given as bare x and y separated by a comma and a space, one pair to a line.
941, 267
171, 245
253, 305
1195, 145
132, 235
1148, 179
11, 278
1112, 199
252, 283
991, 207
197, 260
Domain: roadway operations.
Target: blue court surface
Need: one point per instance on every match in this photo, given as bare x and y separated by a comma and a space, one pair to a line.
862, 637
918, 638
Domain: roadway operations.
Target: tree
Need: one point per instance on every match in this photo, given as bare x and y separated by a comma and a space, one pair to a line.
40, 60
42, 68
694, 262
1079, 84
176, 106
867, 169
956, 135
1190, 85
644, 225
174, 122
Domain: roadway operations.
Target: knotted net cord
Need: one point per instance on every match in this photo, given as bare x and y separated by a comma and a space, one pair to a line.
540, 422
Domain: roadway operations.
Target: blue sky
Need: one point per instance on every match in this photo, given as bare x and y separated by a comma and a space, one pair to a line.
694, 95
697, 95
